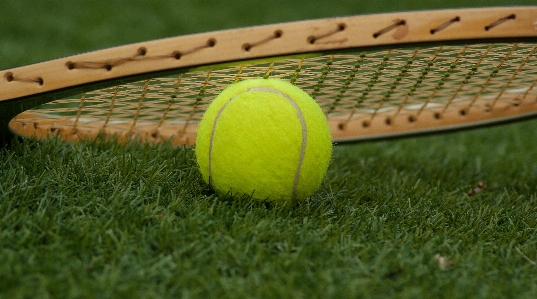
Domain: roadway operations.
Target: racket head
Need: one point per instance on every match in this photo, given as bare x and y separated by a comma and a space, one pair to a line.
375, 76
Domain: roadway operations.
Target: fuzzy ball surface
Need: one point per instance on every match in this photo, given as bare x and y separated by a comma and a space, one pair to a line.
264, 138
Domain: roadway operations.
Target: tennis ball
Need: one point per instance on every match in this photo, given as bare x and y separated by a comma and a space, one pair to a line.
264, 138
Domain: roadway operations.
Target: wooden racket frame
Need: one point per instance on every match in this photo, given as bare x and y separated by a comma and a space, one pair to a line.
25, 87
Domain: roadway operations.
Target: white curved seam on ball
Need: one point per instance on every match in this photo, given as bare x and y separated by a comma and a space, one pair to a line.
212, 138
304, 133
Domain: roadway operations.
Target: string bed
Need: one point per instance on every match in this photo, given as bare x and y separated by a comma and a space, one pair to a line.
365, 94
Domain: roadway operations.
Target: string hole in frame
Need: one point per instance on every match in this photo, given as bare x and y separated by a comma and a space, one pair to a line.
463, 112
211, 42
341, 126
142, 51
278, 33
177, 55
40, 81
388, 121
9, 76
437, 115
411, 119
108, 67
365, 124
247, 47
70, 65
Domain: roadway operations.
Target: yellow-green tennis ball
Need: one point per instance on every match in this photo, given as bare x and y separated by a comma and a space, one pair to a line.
265, 138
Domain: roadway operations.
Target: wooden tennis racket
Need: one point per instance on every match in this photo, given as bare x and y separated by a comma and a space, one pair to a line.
375, 76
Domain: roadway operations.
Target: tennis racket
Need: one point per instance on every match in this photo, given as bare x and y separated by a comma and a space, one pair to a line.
375, 76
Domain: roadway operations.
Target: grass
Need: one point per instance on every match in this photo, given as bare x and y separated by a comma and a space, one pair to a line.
106, 220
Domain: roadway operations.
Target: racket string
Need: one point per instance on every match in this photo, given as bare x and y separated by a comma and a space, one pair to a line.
141, 54
315, 38
389, 93
391, 27
490, 77
445, 25
10, 77
248, 46
500, 21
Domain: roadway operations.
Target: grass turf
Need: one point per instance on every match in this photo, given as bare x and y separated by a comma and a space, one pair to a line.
99, 219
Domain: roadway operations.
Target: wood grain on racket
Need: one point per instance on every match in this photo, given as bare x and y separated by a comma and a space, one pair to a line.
375, 76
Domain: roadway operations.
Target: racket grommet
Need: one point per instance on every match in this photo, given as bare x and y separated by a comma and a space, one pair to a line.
142, 51
211, 42
9, 76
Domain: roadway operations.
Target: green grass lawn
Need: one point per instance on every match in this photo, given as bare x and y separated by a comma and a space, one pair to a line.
103, 220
